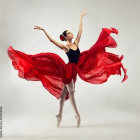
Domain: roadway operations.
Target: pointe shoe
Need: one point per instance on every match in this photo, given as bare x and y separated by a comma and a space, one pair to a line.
78, 120
59, 117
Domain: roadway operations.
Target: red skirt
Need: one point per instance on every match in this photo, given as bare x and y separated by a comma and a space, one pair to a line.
95, 65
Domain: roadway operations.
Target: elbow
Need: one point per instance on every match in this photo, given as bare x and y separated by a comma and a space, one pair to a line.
51, 40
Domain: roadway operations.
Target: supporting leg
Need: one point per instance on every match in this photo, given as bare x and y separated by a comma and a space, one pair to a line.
71, 90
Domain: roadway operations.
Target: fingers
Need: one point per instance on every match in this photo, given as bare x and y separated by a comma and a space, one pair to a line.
37, 27
84, 12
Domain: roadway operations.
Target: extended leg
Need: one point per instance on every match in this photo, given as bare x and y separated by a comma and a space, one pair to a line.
71, 90
62, 100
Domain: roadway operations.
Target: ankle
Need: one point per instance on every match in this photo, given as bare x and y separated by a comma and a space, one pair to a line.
60, 114
78, 115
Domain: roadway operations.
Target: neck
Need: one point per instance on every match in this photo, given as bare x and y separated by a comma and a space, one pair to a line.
69, 42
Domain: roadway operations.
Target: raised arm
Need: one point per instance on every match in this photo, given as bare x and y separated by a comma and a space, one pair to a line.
60, 45
77, 40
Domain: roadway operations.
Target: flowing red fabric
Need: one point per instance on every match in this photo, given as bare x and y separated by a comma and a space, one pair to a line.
95, 65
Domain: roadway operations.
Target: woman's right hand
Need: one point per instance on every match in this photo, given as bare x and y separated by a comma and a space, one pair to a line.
38, 28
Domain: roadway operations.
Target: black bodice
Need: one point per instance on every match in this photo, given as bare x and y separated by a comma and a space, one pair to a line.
73, 55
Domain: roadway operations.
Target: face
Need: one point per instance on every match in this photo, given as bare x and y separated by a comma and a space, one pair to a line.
69, 35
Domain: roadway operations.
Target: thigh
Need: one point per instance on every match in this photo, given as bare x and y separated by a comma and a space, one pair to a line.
64, 91
70, 87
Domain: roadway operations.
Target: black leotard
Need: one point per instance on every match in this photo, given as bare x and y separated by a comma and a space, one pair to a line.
73, 55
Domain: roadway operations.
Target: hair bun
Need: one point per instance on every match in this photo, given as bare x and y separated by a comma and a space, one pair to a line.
62, 37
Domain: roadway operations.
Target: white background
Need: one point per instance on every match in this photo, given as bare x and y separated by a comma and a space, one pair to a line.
110, 111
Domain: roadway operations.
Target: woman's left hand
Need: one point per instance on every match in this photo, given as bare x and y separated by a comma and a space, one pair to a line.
84, 13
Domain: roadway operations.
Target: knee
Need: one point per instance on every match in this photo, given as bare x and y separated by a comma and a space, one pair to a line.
62, 97
63, 94
71, 92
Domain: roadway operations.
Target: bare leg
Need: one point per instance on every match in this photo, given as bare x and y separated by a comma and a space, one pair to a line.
62, 100
71, 90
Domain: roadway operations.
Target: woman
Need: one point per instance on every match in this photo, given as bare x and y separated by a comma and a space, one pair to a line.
94, 65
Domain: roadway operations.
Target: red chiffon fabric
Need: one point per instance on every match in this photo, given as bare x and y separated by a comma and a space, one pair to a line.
95, 65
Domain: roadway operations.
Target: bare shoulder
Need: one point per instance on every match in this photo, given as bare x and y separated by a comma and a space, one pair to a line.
76, 43
65, 48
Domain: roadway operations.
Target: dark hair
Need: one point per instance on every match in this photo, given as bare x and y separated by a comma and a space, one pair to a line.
64, 34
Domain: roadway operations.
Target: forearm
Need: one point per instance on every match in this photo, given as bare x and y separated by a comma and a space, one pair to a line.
49, 37
81, 23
